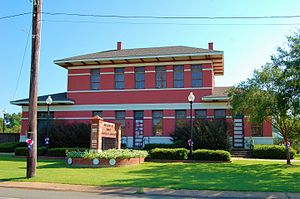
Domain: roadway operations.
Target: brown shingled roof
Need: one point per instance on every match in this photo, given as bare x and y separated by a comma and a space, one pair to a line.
218, 92
140, 52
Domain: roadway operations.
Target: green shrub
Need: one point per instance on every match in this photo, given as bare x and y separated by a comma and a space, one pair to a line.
108, 154
207, 134
271, 152
8, 146
22, 151
169, 154
148, 147
67, 135
61, 152
211, 155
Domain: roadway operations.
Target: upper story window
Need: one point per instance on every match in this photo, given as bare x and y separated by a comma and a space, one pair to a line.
119, 78
220, 113
95, 79
99, 113
160, 77
139, 77
200, 114
157, 123
196, 71
178, 76
180, 118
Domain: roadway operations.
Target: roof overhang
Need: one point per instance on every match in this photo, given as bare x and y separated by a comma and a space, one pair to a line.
214, 99
216, 57
58, 102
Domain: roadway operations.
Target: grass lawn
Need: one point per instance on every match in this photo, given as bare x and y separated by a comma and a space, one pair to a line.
239, 175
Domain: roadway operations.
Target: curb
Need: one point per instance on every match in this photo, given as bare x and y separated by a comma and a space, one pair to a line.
147, 191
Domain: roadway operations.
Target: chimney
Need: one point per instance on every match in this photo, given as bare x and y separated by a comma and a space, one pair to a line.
119, 45
210, 46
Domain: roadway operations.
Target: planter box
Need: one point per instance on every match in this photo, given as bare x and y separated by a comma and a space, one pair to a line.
80, 162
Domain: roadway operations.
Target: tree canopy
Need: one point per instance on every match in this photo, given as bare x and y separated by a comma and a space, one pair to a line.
272, 94
13, 124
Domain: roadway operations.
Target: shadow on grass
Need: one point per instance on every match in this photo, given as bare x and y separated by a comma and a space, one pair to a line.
242, 177
12, 179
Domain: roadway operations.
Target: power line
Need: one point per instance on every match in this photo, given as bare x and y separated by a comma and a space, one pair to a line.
184, 24
21, 68
171, 17
16, 15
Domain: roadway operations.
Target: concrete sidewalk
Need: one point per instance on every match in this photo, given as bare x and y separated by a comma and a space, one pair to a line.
148, 191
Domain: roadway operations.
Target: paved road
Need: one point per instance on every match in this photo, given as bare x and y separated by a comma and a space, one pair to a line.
13, 193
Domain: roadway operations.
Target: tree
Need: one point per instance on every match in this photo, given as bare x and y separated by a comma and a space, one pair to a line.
208, 134
272, 93
14, 125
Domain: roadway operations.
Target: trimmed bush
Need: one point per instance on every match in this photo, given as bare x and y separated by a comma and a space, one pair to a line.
61, 152
159, 145
211, 155
169, 154
8, 146
108, 154
22, 151
271, 152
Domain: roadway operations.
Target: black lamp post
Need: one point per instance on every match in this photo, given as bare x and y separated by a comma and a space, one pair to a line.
191, 99
3, 121
48, 102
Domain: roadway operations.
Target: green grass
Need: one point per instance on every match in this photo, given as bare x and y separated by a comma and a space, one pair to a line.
297, 157
239, 175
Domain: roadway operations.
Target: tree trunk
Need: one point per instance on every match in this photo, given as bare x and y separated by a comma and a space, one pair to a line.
287, 148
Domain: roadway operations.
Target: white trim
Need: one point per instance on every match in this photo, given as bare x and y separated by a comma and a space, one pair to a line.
141, 57
44, 102
204, 69
140, 64
168, 71
149, 89
129, 118
169, 117
214, 98
129, 72
118, 107
150, 71
79, 74
107, 73
147, 118
187, 70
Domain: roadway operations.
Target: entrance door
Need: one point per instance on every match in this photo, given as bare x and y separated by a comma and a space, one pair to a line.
138, 136
238, 132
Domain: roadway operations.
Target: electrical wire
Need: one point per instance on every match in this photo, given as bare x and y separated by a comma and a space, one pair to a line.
171, 17
22, 64
183, 24
16, 15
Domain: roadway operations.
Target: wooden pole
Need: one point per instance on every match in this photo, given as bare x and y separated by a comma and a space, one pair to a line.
35, 58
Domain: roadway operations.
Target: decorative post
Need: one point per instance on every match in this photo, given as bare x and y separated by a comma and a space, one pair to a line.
96, 133
118, 135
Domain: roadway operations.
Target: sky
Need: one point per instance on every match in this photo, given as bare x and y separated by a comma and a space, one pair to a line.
247, 43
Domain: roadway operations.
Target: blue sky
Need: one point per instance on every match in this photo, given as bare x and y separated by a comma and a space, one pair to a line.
245, 47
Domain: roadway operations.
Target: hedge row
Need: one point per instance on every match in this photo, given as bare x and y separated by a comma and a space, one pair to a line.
22, 151
271, 152
182, 154
148, 147
211, 155
10, 146
169, 154
61, 152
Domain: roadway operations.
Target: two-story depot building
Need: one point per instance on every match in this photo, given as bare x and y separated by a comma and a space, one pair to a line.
146, 90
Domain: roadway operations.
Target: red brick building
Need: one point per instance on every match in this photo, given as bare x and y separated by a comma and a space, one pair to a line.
146, 90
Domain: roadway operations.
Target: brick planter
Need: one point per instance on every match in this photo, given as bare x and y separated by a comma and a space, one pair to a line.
80, 162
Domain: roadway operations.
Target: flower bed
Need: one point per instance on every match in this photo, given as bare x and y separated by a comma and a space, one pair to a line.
108, 158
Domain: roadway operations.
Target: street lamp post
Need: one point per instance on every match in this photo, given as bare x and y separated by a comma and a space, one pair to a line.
48, 102
3, 121
191, 99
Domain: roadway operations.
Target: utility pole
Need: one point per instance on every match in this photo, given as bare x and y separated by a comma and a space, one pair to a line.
32, 119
